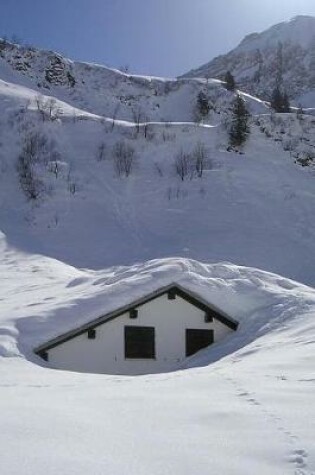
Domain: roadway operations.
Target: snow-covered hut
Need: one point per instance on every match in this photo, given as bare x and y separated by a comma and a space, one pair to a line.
152, 334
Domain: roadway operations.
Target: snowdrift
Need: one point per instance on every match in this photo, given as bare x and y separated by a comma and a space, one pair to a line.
256, 387
45, 298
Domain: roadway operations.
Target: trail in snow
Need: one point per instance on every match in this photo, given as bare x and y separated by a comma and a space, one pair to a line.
295, 453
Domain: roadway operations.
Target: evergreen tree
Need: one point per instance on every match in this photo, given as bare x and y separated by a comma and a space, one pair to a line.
276, 99
280, 100
239, 127
285, 103
202, 105
229, 81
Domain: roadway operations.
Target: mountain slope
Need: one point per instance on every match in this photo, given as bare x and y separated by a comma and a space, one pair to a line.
284, 54
253, 208
104, 91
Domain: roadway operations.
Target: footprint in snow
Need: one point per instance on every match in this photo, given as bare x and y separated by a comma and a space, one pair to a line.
298, 457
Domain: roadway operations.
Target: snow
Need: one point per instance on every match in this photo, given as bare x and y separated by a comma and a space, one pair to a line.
299, 29
107, 92
242, 406
250, 411
210, 421
246, 203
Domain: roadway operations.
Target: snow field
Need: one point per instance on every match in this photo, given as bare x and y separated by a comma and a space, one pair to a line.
250, 410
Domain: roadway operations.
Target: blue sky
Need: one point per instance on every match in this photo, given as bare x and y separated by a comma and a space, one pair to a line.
158, 37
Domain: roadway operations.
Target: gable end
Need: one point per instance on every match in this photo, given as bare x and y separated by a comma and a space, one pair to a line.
173, 289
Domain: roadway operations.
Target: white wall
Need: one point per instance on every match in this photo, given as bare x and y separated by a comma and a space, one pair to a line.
106, 354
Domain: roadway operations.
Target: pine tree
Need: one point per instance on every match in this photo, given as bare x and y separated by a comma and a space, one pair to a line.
229, 81
280, 100
276, 99
239, 127
285, 103
202, 105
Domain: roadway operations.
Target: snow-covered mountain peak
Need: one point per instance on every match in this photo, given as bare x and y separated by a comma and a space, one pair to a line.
299, 30
284, 53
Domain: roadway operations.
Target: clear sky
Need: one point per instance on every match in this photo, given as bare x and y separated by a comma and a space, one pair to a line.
157, 37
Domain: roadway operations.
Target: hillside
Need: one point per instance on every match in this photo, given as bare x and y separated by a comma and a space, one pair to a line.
104, 91
283, 54
88, 214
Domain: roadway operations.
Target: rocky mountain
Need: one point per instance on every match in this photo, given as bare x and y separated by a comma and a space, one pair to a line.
107, 92
284, 55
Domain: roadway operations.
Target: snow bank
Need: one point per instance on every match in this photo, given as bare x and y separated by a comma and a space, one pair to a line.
259, 387
44, 297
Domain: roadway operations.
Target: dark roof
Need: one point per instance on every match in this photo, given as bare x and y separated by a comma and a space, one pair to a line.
185, 294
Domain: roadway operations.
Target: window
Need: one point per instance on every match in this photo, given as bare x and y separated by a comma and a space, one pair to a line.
139, 342
197, 339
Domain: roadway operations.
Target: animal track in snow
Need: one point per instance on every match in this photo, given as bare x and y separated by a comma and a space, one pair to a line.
297, 456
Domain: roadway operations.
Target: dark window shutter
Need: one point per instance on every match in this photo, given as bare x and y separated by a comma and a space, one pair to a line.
139, 342
197, 339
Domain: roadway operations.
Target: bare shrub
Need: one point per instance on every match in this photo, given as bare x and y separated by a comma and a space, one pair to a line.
199, 156
34, 145
115, 113
183, 165
101, 152
47, 108
168, 137
54, 168
31, 185
36, 151
137, 117
124, 156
